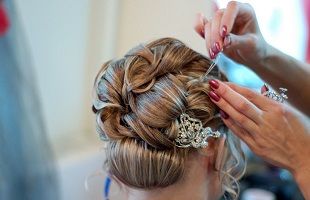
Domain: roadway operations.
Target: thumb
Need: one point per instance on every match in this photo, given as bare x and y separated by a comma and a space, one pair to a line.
238, 41
199, 24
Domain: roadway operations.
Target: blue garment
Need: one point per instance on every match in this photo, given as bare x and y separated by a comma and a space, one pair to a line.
107, 187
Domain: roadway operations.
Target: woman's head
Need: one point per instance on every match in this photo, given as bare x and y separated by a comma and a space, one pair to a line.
139, 100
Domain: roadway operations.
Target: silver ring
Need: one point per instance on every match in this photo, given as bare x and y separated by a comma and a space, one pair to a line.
279, 97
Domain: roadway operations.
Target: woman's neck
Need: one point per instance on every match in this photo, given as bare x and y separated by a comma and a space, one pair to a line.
200, 183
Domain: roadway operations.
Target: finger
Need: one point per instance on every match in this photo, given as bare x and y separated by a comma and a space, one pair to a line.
247, 123
237, 101
230, 14
232, 41
232, 53
264, 89
216, 39
199, 24
246, 137
259, 100
207, 37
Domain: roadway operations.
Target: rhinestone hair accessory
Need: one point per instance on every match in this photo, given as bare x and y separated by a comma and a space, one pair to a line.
192, 134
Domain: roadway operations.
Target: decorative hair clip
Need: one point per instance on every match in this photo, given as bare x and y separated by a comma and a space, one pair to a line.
192, 134
274, 95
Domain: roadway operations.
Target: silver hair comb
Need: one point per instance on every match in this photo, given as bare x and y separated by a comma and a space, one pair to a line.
192, 134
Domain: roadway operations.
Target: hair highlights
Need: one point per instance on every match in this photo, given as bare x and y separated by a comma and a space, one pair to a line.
138, 100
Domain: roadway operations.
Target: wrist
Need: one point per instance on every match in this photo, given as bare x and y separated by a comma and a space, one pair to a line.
301, 172
302, 178
268, 56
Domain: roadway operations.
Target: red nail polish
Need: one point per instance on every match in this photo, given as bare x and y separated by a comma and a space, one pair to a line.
212, 55
202, 34
214, 84
227, 40
224, 114
224, 31
264, 88
214, 96
216, 48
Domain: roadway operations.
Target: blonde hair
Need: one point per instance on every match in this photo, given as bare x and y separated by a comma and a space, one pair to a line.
138, 100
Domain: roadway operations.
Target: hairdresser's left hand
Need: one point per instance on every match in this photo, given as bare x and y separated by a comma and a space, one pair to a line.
272, 130
234, 31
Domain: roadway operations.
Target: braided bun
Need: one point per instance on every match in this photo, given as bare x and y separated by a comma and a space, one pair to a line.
138, 100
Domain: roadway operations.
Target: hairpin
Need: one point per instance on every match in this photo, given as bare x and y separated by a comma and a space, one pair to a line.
213, 64
192, 134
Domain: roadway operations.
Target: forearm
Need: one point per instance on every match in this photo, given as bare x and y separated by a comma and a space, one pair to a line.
281, 70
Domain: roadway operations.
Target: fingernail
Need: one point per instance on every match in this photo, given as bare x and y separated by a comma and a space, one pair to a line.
214, 96
264, 88
227, 40
202, 34
216, 48
212, 55
224, 114
224, 31
214, 84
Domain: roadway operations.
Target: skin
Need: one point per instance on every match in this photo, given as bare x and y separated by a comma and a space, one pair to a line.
276, 132
244, 43
201, 182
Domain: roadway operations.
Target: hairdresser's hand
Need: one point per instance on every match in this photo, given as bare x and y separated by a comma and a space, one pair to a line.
272, 130
235, 31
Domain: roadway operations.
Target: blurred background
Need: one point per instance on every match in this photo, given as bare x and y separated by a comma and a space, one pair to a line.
50, 52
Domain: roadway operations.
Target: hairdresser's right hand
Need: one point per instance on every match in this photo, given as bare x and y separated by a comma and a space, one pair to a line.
234, 30
274, 131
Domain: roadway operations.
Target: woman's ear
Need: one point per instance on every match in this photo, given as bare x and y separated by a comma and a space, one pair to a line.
209, 152
221, 152
214, 152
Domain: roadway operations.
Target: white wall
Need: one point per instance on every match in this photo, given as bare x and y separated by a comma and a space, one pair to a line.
57, 33
144, 20
69, 40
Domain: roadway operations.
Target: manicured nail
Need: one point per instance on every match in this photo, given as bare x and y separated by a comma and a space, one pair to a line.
214, 84
214, 96
216, 48
224, 114
202, 33
212, 55
224, 31
227, 40
264, 88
